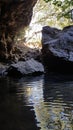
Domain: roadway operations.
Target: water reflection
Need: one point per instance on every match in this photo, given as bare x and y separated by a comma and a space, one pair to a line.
50, 101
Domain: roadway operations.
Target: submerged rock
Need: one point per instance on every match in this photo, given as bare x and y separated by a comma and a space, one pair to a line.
57, 49
28, 67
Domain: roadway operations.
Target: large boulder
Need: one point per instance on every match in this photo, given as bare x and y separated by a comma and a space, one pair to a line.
57, 49
23, 68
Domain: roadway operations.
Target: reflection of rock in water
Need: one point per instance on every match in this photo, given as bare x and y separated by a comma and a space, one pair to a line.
53, 113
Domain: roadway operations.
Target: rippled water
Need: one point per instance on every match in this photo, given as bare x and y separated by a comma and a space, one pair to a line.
36, 103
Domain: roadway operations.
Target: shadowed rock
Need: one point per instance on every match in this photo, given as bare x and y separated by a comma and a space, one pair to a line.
14, 16
3, 68
57, 51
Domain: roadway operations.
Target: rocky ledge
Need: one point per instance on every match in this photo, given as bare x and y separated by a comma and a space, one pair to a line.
25, 61
57, 49
22, 68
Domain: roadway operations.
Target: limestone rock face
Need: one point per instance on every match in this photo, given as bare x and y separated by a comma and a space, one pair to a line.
23, 68
57, 49
15, 14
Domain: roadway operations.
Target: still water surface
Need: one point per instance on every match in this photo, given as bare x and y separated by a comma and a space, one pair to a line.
36, 103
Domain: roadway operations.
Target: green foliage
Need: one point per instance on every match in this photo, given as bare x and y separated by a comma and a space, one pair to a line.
64, 5
61, 2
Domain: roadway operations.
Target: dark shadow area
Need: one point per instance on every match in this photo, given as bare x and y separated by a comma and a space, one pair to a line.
14, 114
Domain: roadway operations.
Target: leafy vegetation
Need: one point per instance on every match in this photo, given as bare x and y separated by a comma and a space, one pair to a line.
64, 5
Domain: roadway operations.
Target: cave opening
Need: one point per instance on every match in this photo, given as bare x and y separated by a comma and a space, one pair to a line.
21, 26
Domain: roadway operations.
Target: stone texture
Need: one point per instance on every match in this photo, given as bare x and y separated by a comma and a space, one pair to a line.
28, 67
15, 15
22, 53
57, 49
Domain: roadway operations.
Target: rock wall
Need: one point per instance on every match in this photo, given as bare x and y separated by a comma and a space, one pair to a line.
15, 14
